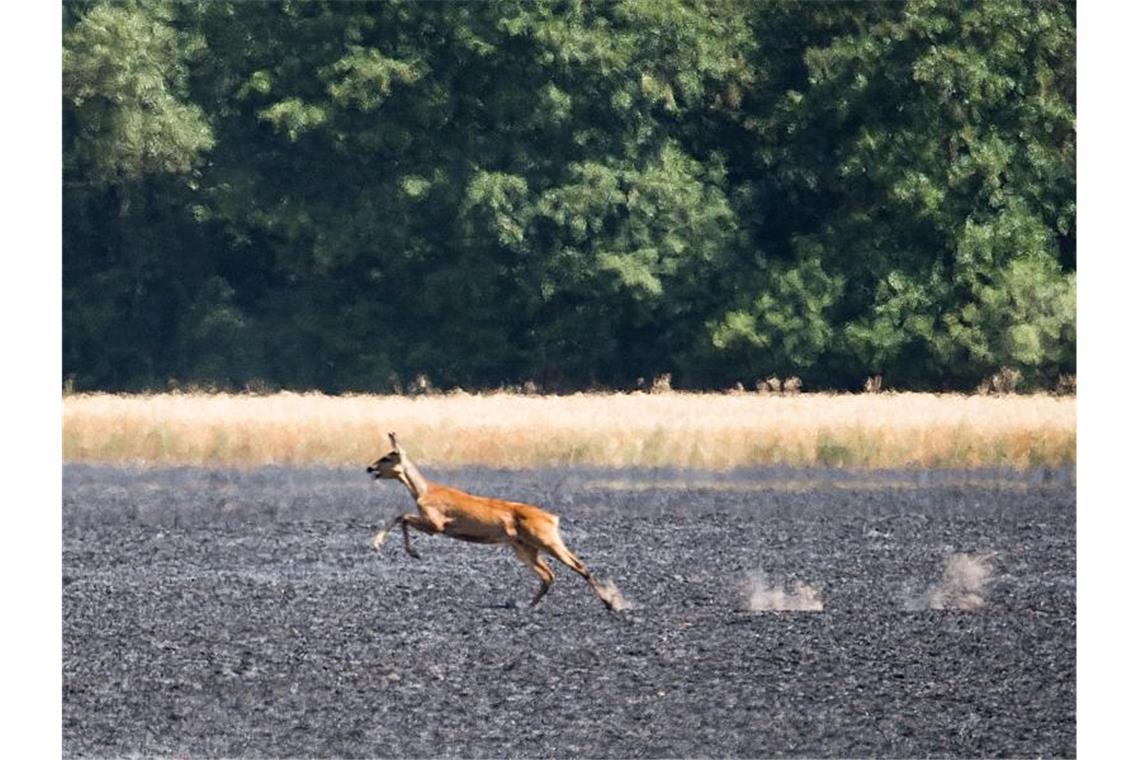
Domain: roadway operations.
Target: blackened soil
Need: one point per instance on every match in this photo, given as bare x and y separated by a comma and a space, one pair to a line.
226, 613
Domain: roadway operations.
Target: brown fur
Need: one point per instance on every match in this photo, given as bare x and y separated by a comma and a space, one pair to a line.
527, 529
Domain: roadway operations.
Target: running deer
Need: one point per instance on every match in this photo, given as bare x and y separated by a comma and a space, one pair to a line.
527, 529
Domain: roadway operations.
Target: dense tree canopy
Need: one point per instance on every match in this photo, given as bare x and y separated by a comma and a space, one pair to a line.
343, 196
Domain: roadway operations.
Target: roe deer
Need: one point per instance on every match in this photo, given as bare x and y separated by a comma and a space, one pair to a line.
527, 529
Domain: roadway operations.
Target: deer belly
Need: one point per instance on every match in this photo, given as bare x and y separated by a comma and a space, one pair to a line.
475, 531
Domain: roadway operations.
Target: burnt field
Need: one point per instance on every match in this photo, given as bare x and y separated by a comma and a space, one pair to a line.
212, 612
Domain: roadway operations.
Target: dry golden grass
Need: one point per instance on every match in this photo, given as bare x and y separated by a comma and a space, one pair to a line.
615, 430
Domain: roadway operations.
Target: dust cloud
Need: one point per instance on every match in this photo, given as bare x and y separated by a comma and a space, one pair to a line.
760, 596
962, 587
609, 592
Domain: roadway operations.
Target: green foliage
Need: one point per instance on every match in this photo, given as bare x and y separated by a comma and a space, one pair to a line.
347, 195
365, 77
785, 328
1025, 317
293, 117
124, 74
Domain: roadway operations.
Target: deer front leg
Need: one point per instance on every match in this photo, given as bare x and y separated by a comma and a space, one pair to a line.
404, 520
419, 523
378, 539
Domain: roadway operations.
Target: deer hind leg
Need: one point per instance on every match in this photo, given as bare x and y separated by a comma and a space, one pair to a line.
555, 548
530, 558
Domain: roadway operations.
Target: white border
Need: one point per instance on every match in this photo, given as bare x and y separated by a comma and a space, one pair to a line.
1107, 294
31, 304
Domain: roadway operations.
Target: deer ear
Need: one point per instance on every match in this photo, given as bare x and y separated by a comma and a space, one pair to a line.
395, 441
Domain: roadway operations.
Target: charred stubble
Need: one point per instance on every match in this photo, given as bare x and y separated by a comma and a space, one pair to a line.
231, 613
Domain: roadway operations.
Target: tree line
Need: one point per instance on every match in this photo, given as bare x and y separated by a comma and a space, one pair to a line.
344, 196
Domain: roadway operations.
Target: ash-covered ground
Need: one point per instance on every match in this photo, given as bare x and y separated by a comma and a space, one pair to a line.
212, 612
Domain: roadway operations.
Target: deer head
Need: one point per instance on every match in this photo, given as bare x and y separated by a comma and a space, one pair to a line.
391, 465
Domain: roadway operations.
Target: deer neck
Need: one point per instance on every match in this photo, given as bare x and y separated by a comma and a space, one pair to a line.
414, 480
